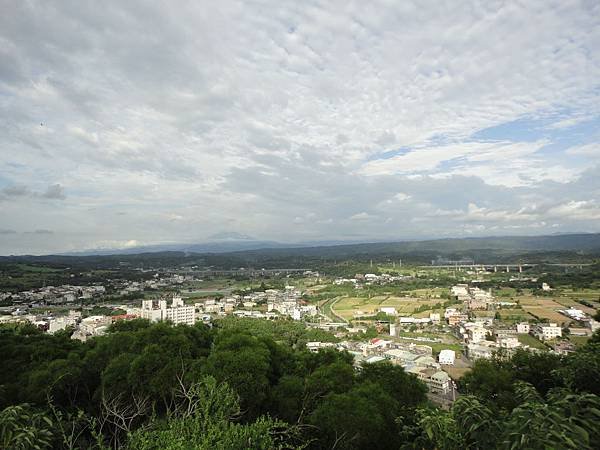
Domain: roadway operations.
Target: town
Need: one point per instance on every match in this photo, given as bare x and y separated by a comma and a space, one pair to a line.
414, 317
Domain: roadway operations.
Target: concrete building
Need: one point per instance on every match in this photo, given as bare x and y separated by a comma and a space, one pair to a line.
547, 332
437, 381
477, 334
483, 349
523, 328
447, 357
178, 313
508, 342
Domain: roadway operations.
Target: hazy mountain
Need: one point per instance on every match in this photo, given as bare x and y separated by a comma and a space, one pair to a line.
246, 246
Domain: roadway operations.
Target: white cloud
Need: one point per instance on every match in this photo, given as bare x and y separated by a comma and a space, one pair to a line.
588, 150
242, 115
361, 216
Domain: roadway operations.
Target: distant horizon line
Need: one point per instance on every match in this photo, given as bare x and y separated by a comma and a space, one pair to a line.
278, 245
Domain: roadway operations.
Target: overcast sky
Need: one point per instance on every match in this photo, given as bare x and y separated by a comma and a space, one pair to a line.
132, 122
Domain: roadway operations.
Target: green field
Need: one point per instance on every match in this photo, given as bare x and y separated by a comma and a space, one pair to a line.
579, 340
348, 307
527, 339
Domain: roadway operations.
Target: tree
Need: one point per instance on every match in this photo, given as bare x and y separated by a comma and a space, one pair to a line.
206, 422
492, 381
406, 389
243, 361
356, 419
581, 371
22, 428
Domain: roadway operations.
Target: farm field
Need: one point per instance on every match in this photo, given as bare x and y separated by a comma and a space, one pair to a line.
515, 315
543, 308
347, 307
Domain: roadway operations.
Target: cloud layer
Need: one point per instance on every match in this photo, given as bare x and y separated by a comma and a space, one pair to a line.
149, 122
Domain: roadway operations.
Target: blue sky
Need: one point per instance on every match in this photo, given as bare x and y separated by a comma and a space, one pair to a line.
138, 123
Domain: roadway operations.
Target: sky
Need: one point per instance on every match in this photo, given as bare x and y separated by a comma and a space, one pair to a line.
126, 123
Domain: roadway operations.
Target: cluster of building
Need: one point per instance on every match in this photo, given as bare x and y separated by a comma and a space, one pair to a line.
414, 358
83, 327
370, 278
68, 294
54, 294
482, 339
474, 298
271, 303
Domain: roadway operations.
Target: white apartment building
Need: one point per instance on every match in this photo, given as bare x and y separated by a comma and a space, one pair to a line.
177, 313
523, 328
547, 332
447, 357
477, 334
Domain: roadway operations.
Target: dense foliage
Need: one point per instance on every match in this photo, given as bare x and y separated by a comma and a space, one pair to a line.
251, 384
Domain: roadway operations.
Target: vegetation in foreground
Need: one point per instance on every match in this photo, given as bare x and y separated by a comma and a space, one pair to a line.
251, 384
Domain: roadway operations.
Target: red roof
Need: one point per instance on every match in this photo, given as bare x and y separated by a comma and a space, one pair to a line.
124, 317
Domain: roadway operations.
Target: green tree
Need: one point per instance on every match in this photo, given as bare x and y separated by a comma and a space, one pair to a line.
206, 421
23, 428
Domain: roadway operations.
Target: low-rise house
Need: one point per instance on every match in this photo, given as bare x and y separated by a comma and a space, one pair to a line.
427, 361
374, 359
434, 317
564, 347
483, 349
455, 319
314, 347
578, 331
476, 334
523, 328
389, 310
509, 342
437, 381
401, 357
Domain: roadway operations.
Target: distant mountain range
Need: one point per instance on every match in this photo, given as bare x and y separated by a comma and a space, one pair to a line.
236, 244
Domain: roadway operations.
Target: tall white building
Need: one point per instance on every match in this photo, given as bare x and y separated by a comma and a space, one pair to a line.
177, 313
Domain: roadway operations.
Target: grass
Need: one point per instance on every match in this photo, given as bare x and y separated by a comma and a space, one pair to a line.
36, 269
348, 306
515, 315
579, 340
436, 346
527, 339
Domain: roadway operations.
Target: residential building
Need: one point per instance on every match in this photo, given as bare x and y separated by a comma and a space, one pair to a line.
178, 313
477, 334
437, 381
483, 349
447, 357
508, 342
547, 332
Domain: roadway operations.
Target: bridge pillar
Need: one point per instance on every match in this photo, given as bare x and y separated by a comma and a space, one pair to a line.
507, 269
520, 269
495, 268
